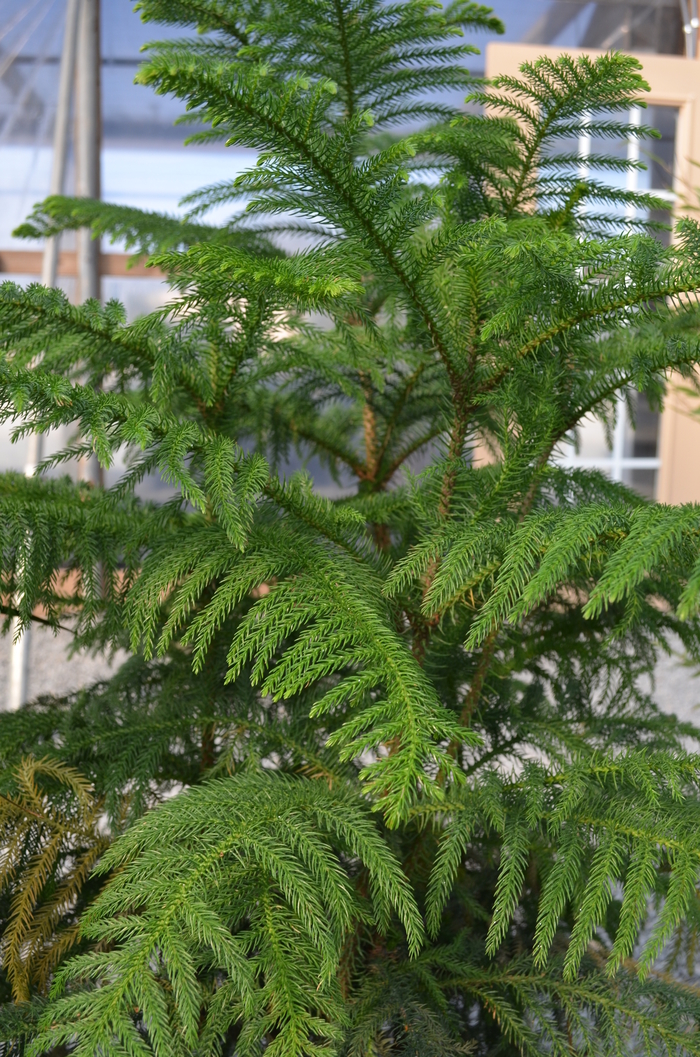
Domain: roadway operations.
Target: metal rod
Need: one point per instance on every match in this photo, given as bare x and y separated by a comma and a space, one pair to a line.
584, 151
87, 141
60, 132
19, 668
630, 462
690, 27
87, 172
19, 657
632, 181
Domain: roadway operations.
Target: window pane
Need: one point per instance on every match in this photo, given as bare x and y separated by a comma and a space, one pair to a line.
642, 481
659, 154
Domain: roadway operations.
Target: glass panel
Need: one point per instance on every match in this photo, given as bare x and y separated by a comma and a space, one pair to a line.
633, 447
652, 26
659, 154
642, 481
659, 157
641, 440
613, 148
592, 442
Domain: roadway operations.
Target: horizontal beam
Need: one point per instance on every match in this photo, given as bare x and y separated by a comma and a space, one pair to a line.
53, 60
28, 262
629, 462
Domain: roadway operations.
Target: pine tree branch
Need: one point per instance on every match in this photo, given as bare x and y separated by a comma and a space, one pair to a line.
358, 467
500, 749
10, 611
471, 700
407, 452
596, 312
347, 63
209, 15
489, 647
281, 496
369, 426
330, 177
399, 405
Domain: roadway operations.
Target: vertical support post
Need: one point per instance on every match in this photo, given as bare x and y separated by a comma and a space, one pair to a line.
87, 172
686, 28
690, 27
87, 141
60, 133
19, 658
19, 669
632, 183
584, 153
584, 149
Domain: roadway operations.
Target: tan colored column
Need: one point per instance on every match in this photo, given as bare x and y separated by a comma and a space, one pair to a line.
679, 446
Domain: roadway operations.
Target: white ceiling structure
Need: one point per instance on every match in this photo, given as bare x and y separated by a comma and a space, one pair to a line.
31, 33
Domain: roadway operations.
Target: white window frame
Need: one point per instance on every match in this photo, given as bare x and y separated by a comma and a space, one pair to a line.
616, 462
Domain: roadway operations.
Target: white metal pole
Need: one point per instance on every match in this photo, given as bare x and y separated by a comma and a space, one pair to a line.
584, 148
584, 151
688, 31
635, 119
20, 644
87, 172
60, 134
620, 434
87, 141
19, 658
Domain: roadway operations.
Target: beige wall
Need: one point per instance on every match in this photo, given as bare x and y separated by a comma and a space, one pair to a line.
679, 448
674, 81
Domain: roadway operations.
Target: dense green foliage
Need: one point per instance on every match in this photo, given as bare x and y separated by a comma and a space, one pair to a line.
381, 774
